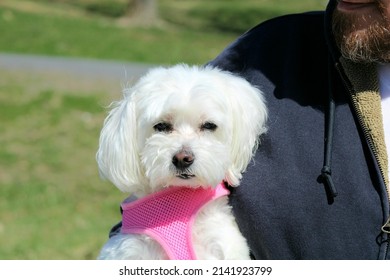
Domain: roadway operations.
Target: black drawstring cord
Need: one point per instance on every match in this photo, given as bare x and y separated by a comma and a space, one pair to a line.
326, 172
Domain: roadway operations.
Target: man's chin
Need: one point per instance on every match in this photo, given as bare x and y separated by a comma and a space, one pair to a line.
360, 40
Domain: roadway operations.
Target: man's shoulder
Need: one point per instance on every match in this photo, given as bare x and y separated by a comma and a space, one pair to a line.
285, 38
288, 27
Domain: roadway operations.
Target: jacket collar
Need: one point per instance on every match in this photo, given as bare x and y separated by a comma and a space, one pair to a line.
361, 81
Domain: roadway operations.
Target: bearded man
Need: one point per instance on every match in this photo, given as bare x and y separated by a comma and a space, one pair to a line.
318, 187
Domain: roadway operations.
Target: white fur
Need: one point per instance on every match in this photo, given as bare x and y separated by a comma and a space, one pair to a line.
138, 159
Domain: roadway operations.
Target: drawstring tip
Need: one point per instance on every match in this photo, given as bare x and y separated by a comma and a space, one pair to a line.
326, 176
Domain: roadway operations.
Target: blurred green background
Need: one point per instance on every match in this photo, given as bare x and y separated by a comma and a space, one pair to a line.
53, 205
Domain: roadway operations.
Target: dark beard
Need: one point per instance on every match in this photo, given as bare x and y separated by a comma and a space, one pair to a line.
371, 44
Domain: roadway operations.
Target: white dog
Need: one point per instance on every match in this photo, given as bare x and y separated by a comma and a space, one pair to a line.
189, 128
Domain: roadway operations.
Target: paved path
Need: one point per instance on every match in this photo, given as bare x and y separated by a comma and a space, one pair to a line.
87, 74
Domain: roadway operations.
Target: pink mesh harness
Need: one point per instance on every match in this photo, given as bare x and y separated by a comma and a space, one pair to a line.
168, 216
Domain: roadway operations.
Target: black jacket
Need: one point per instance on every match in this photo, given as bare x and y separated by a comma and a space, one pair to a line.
285, 206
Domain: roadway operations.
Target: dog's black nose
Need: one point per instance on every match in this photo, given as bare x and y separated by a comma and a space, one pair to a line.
183, 159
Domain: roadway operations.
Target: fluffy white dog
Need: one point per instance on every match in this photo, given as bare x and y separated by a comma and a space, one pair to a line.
182, 127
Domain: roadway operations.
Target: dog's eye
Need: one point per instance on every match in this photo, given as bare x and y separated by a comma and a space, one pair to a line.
163, 127
208, 126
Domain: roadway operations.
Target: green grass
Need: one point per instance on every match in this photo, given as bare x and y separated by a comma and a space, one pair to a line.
192, 31
232, 16
96, 39
53, 204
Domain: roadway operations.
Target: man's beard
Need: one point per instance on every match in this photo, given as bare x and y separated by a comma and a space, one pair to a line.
369, 44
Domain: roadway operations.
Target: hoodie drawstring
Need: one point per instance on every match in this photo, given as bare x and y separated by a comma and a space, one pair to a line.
326, 172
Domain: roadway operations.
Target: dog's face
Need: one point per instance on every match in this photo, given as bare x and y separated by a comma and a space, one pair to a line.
186, 140
181, 126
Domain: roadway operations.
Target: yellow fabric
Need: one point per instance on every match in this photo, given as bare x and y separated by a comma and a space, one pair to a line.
367, 101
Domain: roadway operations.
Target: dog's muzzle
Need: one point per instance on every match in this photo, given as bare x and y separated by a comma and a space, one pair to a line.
182, 161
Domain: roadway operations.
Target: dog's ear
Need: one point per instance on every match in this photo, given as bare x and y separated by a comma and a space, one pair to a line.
118, 155
249, 115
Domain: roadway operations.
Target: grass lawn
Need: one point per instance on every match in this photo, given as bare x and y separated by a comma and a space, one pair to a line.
53, 204
192, 31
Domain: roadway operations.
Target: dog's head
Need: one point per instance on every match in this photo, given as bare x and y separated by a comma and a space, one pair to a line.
181, 126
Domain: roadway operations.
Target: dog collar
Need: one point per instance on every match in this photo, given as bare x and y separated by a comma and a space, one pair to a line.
168, 216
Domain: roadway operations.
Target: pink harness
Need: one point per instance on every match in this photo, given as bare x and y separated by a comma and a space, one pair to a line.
168, 216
